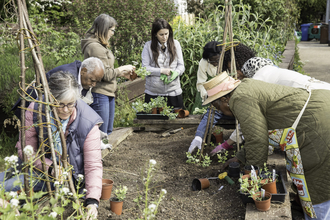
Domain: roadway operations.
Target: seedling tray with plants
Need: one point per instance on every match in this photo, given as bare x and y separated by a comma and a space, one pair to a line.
279, 197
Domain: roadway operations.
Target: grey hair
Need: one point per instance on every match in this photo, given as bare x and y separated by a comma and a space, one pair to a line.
64, 86
101, 26
91, 63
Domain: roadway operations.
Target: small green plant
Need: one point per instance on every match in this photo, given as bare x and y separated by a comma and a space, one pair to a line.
222, 158
194, 159
199, 111
217, 130
249, 185
120, 193
142, 72
267, 175
206, 161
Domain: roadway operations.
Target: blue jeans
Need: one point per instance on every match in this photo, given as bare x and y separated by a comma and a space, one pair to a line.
202, 125
322, 211
105, 107
9, 183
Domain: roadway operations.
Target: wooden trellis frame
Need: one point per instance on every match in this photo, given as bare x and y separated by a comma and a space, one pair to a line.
227, 30
26, 33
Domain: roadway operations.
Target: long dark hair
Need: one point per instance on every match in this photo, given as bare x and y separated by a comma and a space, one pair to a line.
157, 25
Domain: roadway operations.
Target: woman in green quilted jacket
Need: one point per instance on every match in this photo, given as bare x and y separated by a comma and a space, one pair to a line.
261, 106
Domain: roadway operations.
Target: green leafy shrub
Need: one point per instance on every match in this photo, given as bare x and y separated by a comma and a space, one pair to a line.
248, 28
133, 28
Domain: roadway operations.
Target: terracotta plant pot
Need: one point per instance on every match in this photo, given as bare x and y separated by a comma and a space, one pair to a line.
160, 110
270, 186
133, 76
247, 169
199, 184
106, 189
183, 113
218, 137
116, 206
263, 205
154, 111
234, 169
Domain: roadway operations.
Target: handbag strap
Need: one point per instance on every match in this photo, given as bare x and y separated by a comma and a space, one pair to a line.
295, 124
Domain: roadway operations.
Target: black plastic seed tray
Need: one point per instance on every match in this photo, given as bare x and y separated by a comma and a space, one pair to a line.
279, 197
151, 116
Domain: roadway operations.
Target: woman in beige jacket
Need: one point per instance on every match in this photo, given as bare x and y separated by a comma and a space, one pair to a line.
96, 44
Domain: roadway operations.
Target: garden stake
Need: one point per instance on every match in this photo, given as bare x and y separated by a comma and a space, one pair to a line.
211, 126
23, 68
206, 130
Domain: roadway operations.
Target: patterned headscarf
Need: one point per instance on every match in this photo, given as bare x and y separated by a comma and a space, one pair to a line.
253, 64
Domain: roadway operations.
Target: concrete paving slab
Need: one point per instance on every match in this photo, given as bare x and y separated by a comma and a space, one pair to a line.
316, 58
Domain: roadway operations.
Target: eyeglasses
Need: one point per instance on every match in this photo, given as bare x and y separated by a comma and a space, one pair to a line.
70, 105
113, 30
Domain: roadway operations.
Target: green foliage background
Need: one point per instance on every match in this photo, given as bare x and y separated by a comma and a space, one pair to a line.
60, 29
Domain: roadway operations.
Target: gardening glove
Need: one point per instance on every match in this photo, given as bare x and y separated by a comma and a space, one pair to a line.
105, 146
197, 142
222, 147
92, 212
103, 135
168, 79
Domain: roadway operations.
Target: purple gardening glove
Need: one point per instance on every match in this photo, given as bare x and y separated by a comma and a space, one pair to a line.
222, 147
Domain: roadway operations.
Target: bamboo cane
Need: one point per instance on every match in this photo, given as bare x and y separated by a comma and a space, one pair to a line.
206, 131
211, 126
23, 68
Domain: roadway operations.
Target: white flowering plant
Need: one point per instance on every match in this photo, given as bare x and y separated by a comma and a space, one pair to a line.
150, 208
24, 205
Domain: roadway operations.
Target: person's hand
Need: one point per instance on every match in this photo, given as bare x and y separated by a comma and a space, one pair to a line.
166, 71
234, 159
126, 71
197, 142
91, 212
220, 148
103, 135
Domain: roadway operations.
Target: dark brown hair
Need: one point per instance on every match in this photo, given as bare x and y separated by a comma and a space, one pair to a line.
157, 25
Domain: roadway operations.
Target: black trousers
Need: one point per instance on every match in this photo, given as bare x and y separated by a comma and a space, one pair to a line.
175, 101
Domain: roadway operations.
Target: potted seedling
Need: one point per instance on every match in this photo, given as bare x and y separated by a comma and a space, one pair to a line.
250, 187
268, 180
116, 203
218, 134
249, 184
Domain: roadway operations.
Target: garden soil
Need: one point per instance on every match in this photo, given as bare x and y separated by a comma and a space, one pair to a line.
126, 166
